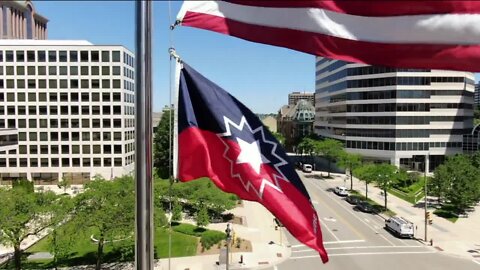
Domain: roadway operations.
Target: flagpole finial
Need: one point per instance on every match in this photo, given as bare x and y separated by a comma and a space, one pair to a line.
173, 54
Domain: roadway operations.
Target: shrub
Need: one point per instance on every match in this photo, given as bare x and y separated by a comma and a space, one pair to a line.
189, 229
210, 238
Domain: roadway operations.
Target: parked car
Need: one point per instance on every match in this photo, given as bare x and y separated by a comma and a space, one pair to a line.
364, 207
353, 200
307, 168
341, 191
400, 227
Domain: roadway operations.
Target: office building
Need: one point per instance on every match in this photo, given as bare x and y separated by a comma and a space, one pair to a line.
294, 97
71, 106
19, 20
477, 95
396, 115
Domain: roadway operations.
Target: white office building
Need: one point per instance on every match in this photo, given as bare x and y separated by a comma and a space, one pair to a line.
396, 115
70, 104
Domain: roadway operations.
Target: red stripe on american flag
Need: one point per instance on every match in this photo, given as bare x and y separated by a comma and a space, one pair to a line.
455, 57
377, 8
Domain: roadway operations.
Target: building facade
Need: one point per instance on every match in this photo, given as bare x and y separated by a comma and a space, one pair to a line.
477, 95
19, 20
295, 122
396, 115
71, 106
294, 97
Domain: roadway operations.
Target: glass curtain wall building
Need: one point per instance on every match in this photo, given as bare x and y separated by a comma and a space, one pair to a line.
396, 115
70, 105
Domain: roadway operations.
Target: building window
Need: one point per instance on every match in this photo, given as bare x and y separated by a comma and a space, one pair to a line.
52, 56
31, 70
84, 56
65, 162
115, 56
73, 56
62, 55
33, 150
20, 70
94, 55
20, 56
84, 71
63, 70
105, 56
86, 149
41, 56
106, 70
73, 70
31, 56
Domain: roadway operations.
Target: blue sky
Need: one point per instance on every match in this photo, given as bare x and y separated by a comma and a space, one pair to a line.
261, 76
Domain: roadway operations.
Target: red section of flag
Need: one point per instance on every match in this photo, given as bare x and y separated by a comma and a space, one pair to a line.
205, 154
377, 8
431, 56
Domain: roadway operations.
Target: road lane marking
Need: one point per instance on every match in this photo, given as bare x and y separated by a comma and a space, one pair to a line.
366, 254
333, 242
476, 261
354, 230
366, 219
356, 247
320, 189
330, 231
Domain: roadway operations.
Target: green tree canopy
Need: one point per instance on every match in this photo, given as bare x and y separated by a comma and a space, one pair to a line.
24, 213
331, 149
349, 161
108, 207
161, 146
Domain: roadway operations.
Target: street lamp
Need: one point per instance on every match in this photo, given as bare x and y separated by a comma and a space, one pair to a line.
228, 231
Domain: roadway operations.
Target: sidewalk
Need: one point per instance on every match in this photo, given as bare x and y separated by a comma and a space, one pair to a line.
461, 238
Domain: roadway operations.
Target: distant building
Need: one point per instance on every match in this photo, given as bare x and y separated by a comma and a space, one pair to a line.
270, 122
19, 20
295, 122
70, 105
294, 97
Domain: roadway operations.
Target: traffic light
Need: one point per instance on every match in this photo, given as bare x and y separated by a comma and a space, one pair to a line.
429, 218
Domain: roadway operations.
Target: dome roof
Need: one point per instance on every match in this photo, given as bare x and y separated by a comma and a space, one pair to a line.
304, 111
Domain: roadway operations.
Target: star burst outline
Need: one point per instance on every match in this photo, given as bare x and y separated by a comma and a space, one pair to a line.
247, 184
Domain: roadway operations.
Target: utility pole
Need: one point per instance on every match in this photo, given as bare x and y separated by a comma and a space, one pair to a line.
426, 201
229, 238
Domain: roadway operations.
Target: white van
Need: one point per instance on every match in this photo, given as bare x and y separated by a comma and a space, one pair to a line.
400, 227
307, 168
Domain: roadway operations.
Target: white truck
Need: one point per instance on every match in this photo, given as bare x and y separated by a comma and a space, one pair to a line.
400, 227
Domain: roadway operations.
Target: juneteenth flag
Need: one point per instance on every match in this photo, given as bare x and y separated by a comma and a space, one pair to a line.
440, 34
220, 138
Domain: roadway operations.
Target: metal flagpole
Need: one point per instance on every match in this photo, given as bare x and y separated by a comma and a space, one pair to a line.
143, 137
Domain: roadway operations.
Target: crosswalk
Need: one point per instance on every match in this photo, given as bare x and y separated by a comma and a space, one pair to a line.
357, 248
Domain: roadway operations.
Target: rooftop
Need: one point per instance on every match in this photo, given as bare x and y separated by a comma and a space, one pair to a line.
48, 42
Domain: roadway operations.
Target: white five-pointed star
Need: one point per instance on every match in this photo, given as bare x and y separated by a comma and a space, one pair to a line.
250, 153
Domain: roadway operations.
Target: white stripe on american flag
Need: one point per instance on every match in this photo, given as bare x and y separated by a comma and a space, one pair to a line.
445, 29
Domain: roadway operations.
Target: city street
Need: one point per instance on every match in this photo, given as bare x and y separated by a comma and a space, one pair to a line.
356, 240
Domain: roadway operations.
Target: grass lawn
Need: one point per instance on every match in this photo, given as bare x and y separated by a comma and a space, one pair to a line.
85, 249
408, 193
448, 212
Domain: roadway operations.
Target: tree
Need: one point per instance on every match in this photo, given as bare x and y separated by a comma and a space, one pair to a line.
280, 138
458, 180
177, 211
351, 162
385, 175
65, 183
202, 217
108, 208
366, 173
162, 155
23, 213
307, 146
330, 149
61, 239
